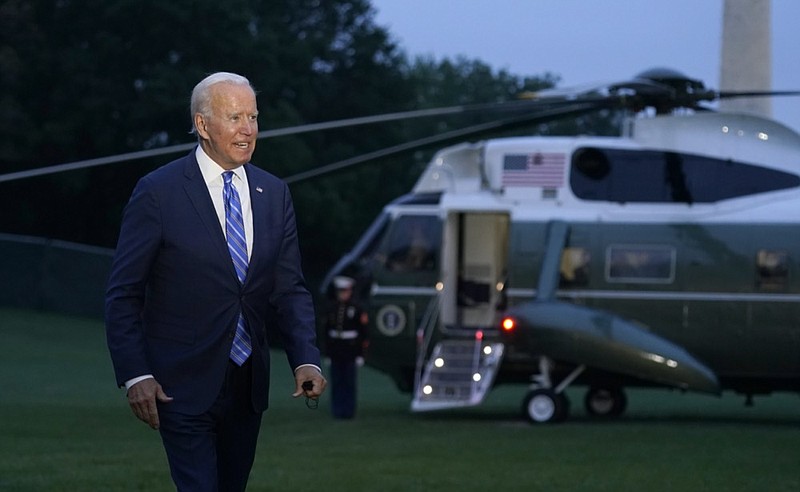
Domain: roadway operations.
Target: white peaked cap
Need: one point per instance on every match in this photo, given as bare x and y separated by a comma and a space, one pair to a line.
343, 282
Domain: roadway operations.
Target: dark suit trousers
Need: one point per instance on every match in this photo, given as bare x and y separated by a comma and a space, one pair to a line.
214, 451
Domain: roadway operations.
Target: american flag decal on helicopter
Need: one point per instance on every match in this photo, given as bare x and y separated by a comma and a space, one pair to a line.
544, 170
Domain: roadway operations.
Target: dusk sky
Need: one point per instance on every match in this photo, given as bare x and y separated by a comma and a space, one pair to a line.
591, 41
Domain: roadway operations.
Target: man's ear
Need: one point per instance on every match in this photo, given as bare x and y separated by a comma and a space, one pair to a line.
200, 126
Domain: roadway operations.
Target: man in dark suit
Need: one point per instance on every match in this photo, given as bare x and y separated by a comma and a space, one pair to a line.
206, 264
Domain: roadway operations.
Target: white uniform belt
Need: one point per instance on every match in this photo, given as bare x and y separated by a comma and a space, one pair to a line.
343, 335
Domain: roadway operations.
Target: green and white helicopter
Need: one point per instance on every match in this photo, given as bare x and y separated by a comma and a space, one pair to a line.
668, 256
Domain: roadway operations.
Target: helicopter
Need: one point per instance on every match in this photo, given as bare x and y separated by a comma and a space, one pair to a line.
665, 257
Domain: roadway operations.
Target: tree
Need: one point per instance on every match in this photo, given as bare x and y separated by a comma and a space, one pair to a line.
95, 78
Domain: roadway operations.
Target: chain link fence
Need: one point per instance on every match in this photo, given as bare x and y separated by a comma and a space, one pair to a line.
52, 275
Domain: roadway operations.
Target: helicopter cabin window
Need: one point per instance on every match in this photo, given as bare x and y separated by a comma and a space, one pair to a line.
640, 264
574, 267
368, 245
625, 175
772, 270
412, 244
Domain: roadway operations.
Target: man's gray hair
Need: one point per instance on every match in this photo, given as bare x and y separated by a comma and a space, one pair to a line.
201, 95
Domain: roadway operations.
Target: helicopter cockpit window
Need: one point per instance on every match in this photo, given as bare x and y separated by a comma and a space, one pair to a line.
772, 270
640, 264
413, 244
649, 176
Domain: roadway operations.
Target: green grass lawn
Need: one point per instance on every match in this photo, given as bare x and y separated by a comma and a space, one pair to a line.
65, 427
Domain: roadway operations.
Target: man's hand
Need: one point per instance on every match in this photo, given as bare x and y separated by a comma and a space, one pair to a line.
142, 398
309, 374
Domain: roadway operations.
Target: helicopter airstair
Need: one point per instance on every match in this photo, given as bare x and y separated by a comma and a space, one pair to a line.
459, 371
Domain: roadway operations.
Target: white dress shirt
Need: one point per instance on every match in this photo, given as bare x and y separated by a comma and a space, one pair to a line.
212, 175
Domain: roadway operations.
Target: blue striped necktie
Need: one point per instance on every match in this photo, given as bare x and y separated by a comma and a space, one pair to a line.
234, 231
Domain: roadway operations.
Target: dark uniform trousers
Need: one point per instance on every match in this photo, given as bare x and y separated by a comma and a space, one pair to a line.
343, 387
345, 338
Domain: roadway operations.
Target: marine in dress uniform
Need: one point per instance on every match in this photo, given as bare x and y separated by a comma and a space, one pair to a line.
346, 338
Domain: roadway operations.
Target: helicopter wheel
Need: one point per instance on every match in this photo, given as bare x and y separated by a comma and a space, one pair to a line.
605, 402
543, 406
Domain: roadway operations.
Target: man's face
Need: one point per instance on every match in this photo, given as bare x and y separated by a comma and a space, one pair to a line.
228, 135
344, 294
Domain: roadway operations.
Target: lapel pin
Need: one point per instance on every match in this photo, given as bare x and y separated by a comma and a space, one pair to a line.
258, 189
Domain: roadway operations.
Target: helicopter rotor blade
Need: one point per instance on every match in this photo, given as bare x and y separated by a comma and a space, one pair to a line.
575, 109
504, 106
663, 89
734, 94
508, 106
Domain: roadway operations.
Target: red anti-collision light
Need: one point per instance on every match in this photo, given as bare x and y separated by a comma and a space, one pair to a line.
508, 324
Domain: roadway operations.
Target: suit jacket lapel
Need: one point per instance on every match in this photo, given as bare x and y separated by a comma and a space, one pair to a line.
258, 204
197, 191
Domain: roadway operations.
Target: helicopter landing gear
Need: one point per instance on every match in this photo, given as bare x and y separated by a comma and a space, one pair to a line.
545, 406
605, 402
546, 403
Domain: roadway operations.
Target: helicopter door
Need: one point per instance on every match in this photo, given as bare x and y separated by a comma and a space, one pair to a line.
474, 267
